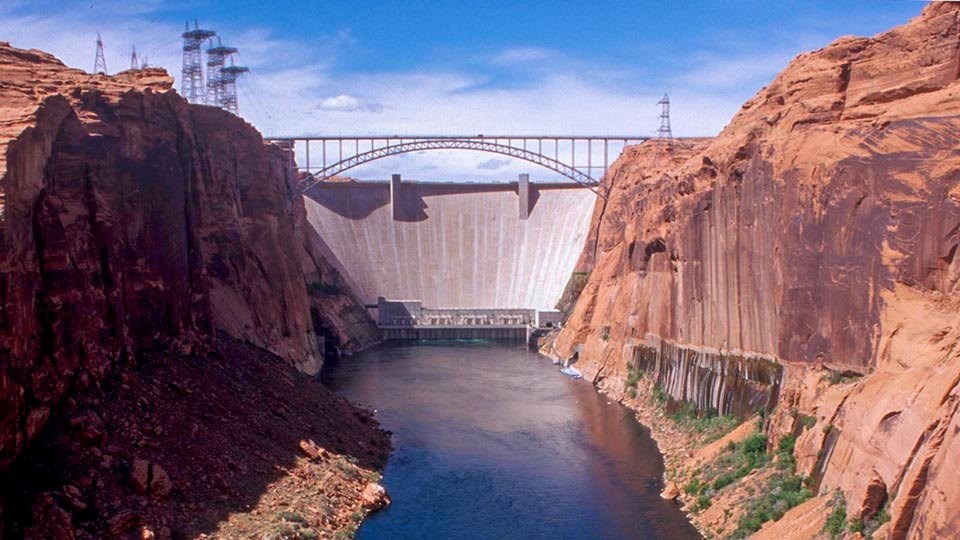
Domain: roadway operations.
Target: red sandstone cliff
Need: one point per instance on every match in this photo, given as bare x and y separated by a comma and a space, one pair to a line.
822, 222
132, 223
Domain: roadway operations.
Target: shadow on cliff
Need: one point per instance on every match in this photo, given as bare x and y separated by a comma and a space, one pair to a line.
358, 200
225, 427
352, 200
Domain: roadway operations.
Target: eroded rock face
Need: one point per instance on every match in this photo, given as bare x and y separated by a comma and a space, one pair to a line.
819, 228
133, 221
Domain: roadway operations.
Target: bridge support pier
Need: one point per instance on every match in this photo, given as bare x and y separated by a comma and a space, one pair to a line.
524, 193
395, 196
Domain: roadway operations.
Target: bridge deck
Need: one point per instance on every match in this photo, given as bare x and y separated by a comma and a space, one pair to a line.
558, 153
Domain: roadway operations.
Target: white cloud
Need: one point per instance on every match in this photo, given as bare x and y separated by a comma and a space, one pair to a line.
348, 103
523, 55
493, 164
293, 90
725, 72
342, 102
73, 41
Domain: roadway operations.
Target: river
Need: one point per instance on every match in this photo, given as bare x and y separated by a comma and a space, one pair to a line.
491, 441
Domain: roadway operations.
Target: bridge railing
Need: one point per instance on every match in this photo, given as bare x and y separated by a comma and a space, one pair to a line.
581, 158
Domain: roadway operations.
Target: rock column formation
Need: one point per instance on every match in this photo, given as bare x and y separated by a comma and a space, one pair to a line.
819, 228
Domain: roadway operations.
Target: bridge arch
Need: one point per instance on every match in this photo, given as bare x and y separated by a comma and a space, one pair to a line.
479, 145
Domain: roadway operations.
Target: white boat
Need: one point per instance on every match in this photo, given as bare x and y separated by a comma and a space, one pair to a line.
571, 372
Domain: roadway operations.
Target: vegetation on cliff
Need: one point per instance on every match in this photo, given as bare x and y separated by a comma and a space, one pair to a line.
818, 230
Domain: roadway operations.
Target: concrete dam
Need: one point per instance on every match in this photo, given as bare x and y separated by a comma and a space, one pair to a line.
454, 246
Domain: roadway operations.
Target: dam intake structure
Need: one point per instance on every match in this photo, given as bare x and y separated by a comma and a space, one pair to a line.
408, 319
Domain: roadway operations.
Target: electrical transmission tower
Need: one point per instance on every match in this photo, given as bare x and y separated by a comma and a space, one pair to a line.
229, 98
100, 63
216, 59
134, 59
664, 133
191, 79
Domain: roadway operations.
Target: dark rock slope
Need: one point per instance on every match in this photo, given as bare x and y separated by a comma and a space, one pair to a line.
133, 222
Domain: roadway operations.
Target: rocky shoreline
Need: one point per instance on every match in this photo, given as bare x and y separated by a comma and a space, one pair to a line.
817, 234
249, 448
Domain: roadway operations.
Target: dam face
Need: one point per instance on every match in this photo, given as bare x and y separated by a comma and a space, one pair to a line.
468, 246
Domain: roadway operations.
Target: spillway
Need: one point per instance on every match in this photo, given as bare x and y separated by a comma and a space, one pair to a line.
454, 245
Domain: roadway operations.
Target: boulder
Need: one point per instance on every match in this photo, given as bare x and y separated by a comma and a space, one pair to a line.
311, 449
671, 492
160, 484
150, 479
140, 476
374, 497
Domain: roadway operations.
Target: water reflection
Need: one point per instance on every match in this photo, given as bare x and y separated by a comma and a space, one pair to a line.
492, 442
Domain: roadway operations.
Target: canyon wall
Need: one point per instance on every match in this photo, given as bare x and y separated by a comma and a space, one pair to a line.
133, 222
819, 228
454, 245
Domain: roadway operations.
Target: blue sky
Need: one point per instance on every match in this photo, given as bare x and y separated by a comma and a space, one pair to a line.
468, 67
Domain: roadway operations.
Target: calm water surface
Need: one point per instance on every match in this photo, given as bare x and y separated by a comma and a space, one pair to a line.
491, 441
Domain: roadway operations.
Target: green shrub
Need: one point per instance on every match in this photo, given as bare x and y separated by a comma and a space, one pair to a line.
874, 523
687, 411
632, 392
787, 444
743, 458
283, 532
292, 517
838, 518
735, 463
756, 443
694, 487
707, 423
345, 534
724, 480
659, 397
785, 459
783, 492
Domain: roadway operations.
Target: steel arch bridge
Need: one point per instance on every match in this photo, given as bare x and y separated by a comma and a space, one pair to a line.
542, 150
